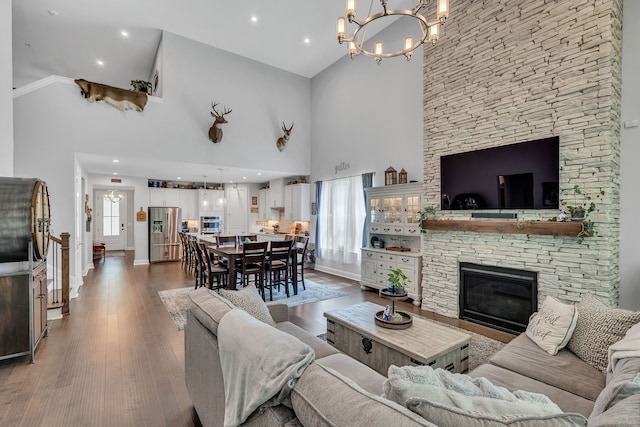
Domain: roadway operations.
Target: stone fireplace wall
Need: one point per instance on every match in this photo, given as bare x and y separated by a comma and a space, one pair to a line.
507, 72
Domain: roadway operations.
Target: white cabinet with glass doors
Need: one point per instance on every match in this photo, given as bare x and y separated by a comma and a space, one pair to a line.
393, 237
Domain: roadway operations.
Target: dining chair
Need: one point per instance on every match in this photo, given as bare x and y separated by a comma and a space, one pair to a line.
227, 240
247, 238
211, 271
277, 263
253, 264
199, 264
191, 256
184, 251
300, 245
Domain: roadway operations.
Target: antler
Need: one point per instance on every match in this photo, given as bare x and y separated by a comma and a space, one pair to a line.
216, 114
284, 127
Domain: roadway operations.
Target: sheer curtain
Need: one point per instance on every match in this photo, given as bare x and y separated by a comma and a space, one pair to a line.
341, 213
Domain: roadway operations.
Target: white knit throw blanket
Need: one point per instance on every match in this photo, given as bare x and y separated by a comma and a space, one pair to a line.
629, 346
260, 364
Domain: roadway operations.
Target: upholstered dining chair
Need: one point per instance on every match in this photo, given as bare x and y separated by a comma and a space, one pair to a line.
278, 263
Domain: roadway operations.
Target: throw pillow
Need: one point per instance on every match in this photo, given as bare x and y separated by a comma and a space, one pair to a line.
250, 301
552, 326
447, 399
597, 328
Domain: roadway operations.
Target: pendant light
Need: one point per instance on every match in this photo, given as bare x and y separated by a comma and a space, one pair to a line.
205, 201
221, 201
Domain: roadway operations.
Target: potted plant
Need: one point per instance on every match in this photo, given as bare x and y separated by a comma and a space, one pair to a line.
583, 206
396, 282
141, 85
428, 212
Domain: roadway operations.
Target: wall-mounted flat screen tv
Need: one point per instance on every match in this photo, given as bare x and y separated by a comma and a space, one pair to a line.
516, 176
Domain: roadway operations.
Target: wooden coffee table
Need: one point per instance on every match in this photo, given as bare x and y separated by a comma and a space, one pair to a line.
353, 331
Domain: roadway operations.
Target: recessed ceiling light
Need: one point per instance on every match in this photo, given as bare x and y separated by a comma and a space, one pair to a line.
259, 173
306, 40
115, 173
124, 34
100, 62
179, 177
116, 161
254, 19
244, 177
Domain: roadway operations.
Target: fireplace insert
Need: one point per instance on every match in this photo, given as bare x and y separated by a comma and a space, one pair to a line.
502, 298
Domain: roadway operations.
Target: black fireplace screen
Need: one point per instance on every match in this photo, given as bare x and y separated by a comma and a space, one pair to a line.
502, 298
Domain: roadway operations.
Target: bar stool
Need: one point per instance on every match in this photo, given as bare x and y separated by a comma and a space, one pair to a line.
278, 263
300, 245
253, 264
211, 270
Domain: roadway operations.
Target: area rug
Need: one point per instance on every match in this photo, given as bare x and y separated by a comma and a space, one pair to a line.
481, 348
176, 301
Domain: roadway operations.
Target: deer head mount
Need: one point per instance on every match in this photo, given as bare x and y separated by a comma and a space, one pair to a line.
281, 143
215, 133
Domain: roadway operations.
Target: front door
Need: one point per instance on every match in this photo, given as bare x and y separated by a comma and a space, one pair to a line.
110, 220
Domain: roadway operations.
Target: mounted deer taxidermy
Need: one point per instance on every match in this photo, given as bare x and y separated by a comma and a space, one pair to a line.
215, 133
281, 143
122, 99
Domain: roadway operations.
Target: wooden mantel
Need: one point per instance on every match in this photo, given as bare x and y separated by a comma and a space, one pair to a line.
548, 228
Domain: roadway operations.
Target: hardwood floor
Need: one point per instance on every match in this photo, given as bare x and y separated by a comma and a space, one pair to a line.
118, 359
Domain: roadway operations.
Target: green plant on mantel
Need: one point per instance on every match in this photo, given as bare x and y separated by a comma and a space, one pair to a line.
141, 85
583, 205
428, 212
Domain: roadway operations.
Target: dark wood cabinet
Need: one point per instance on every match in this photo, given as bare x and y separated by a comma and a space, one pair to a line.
20, 333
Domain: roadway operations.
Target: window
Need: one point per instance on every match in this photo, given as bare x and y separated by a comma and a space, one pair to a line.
111, 217
341, 216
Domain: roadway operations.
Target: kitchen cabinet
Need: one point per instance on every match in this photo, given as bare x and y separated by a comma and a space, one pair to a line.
164, 197
264, 212
297, 202
276, 193
211, 202
188, 203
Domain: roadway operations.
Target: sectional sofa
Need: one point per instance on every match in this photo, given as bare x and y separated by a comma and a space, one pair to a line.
336, 390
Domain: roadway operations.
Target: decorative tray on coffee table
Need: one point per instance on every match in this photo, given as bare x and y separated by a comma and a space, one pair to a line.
397, 319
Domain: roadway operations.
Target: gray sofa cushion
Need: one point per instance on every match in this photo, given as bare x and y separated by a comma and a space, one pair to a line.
209, 307
625, 413
363, 375
617, 389
564, 370
320, 347
567, 401
322, 398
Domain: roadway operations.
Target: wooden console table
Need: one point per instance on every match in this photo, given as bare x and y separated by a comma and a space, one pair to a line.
353, 331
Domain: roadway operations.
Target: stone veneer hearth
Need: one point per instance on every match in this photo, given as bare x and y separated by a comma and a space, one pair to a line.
507, 72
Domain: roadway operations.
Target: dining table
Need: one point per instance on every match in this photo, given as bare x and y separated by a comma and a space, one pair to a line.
234, 252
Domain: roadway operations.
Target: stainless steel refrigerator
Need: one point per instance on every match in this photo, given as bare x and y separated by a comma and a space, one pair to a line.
164, 241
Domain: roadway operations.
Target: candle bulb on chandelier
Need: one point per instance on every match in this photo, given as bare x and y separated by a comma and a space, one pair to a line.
433, 33
340, 29
443, 10
351, 9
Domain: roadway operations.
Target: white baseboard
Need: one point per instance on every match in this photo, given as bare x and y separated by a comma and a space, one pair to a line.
140, 262
339, 273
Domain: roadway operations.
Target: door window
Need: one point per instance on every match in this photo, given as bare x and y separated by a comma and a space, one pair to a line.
111, 217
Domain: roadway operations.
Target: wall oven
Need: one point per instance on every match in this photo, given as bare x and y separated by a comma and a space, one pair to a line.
211, 224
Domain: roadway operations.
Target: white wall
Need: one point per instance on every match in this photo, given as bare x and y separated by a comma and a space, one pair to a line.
176, 129
6, 88
629, 155
370, 118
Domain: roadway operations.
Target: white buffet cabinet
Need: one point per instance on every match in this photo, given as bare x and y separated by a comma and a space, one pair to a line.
392, 218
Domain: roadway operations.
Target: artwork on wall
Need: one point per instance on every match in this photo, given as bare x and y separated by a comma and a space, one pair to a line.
254, 200
254, 210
